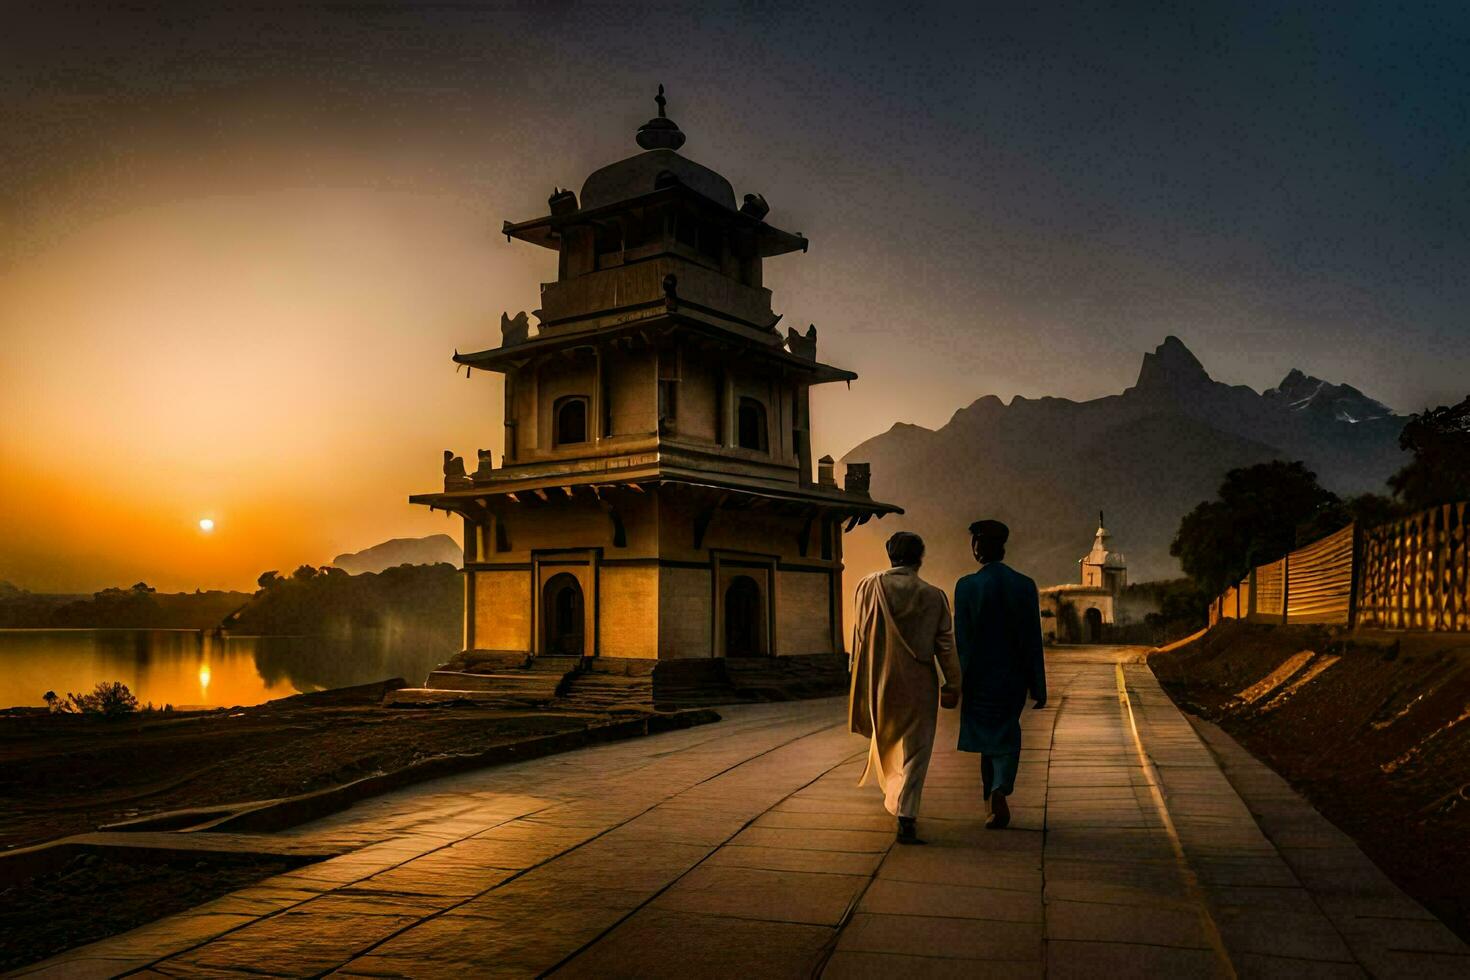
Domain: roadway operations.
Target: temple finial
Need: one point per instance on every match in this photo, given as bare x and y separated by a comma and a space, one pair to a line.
1100, 521
660, 132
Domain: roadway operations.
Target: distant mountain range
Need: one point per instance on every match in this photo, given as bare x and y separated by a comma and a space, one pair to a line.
432, 550
1146, 457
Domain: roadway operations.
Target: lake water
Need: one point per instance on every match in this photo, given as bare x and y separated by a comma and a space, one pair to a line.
190, 668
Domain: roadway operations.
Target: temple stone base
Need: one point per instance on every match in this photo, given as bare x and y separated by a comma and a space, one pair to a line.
611, 684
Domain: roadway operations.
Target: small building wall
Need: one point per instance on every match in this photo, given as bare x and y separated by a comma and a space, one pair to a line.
804, 611
1069, 606
579, 523
631, 391
657, 596
502, 610
756, 532
697, 415
627, 601
685, 613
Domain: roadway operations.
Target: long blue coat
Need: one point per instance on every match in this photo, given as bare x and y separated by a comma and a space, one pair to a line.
997, 625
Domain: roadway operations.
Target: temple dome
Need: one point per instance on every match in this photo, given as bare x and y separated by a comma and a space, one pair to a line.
638, 175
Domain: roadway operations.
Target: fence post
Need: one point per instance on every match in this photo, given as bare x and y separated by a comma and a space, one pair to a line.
1441, 566
1355, 566
1285, 588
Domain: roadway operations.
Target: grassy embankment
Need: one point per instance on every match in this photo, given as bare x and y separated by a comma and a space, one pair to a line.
1373, 727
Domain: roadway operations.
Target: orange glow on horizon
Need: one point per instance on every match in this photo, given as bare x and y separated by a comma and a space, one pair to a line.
282, 358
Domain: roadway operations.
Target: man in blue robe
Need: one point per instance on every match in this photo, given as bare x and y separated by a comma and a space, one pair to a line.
998, 636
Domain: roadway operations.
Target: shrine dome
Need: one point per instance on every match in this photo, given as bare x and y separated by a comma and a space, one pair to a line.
638, 175
653, 168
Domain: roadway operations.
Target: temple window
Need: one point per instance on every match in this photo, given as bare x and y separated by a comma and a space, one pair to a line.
751, 426
571, 420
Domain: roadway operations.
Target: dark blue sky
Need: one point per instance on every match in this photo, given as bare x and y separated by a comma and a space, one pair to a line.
1008, 199
238, 244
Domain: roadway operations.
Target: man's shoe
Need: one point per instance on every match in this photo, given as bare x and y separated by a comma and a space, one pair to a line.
1000, 813
908, 833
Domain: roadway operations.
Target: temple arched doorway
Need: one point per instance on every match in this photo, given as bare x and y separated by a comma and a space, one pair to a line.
564, 616
744, 618
1094, 624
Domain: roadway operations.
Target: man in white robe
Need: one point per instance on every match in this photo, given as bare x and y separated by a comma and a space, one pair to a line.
903, 625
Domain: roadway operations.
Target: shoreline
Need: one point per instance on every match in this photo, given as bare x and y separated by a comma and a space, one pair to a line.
69, 774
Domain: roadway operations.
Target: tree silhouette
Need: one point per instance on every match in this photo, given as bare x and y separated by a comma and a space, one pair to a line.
1439, 473
1254, 521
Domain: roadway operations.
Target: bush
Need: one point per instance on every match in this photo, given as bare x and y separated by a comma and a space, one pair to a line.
111, 699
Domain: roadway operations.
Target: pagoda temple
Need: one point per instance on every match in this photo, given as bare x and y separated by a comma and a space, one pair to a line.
656, 497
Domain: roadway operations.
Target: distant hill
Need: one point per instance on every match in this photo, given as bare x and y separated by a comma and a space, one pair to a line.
138, 607
422, 603
1146, 456
436, 549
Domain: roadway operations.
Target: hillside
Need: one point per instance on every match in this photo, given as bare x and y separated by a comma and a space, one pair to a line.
1145, 456
421, 601
138, 607
435, 549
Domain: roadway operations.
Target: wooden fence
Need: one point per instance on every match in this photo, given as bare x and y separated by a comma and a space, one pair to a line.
1410, 574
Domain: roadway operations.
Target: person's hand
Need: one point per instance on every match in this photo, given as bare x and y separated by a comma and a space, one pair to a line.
1039, 705
949, 698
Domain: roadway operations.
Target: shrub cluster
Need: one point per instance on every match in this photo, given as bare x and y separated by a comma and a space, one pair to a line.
328, 601
111, 699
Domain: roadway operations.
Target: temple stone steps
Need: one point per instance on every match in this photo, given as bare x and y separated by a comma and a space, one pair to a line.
550, 664
424, 697
494, 679
597, 691
787, 678
522, 683
610, 684
488, 661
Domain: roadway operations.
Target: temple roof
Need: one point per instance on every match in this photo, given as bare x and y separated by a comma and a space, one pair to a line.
859, 508
651, 177
1102, 554
766, 345
656, 166
636, 175
545, 231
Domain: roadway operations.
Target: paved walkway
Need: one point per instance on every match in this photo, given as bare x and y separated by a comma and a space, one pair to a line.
745, 849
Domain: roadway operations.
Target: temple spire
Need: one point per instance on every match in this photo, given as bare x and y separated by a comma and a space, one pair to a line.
660, 132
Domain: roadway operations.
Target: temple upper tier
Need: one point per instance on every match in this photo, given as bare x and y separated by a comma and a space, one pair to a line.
657, 498
656, 353
653, 228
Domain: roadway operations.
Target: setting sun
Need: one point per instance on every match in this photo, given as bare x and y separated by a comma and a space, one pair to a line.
206, 525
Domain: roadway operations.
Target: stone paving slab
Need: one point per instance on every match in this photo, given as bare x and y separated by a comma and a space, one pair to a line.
747, 849
1385, 931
